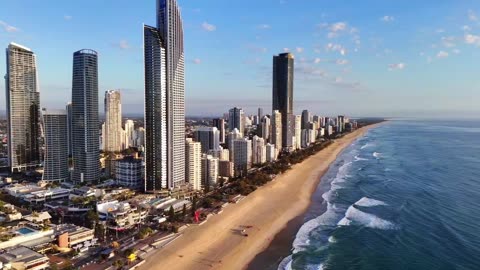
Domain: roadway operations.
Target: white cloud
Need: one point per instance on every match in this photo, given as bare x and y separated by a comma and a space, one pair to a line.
456, 51
263, 26
387, 18
286, 50
398, 66
317, 60
9, 28
466, 28
442, 54
332, 35
67, 17
197, 61
448, 42
336, 48
339, 26
472, 16
208, 27
472, 39
299, 49
341, 62
124, 45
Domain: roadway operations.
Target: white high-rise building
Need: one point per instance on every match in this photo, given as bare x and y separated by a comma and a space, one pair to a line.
231, 137
298, 132
139, 137
259, 150
209, 137
113, 122
271, 152
209, 171
164, 99
276, 137
242, 151
129, 133
265, 127
193, 163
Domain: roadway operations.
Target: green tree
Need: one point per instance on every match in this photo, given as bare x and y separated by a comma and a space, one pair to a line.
194, 205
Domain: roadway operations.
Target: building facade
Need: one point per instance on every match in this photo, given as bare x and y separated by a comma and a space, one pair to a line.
219, 123
113, 137
242, 153
236, 120
209, 171
55, 123
129, 172
193, 163
283, 69
164, 99
209, 137
85, 120
23, 109
276, 136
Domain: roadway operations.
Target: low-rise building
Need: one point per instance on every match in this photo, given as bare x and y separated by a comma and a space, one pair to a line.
72, 236
120, 215
24, 258
46, 195
129, 172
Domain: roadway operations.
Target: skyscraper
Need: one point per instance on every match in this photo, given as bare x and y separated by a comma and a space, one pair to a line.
55, 124
265, 128
276, 137
306, 119
129, 133
69, 128
23, 108
283, 94
298, 132
236, 120
260, 113
193, 163
164, 99
242, 159
85, 120
219, 123
209, 137
209, 171
113, 122
259, 150
232, 136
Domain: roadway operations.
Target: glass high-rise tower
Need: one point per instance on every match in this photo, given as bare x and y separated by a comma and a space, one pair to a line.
164, 99
23, 109
85, 122
283, 94
55, 123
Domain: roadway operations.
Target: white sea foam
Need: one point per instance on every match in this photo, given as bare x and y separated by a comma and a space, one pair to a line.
357, 158
355, 216
377, 155
366, 145
368, 202
332, 239
286, 263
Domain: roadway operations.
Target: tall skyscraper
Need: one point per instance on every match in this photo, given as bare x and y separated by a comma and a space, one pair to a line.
236, 120
219, 123
232, 136
283, 69
306, 119
265, 127
113, 122
340, 123
242, 159
259, 150
23, 109
209, 137
69, 128
298, 132
260, 113
129, 133
193, 163
55, 123
85, 121
164, 99
276, 137
209, 171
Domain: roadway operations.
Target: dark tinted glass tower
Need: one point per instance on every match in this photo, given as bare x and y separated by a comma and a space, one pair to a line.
283, 94
56, 146
85, 122
23, 108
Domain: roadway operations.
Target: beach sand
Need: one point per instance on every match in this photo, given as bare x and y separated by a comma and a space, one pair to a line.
219, 244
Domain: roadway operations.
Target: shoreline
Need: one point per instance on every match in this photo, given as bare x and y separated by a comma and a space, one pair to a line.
267, 211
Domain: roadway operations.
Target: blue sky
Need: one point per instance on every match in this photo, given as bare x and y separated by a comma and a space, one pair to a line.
362, 58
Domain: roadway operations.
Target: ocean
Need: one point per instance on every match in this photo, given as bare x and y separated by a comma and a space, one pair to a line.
404, 196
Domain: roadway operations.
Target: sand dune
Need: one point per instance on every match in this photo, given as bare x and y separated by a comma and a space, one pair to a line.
218, 244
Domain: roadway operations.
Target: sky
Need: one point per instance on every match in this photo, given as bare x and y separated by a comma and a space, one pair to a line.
390, 58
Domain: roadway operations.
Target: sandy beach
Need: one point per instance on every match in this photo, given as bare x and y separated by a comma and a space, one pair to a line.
218, 244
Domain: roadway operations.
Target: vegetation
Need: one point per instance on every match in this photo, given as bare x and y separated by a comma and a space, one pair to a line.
145, 232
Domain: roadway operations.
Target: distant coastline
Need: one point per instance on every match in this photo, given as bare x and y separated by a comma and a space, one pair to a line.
216, 245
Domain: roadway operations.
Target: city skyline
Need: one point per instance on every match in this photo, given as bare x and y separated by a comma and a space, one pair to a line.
378, 68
